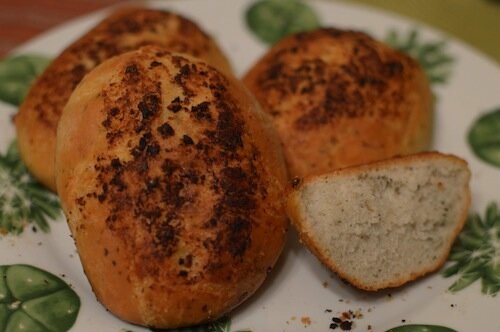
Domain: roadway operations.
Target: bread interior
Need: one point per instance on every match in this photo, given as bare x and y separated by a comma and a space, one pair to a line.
387, 223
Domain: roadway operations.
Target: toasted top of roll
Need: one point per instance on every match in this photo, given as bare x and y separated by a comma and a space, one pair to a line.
122, 31
172, 181
340, 98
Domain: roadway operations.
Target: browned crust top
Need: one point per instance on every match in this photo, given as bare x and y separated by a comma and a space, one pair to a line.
171, 159
122, 31
154, 187
330, 85
341, 98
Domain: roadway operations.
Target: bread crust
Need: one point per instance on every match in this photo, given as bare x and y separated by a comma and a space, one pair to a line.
294, 212
172, 181
124, 30
340, 98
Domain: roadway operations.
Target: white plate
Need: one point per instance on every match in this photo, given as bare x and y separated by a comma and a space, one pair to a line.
301, 295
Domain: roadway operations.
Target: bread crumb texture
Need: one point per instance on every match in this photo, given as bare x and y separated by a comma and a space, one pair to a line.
385, 224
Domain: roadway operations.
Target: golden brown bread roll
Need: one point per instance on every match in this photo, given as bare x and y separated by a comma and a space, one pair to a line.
122, 31
171, 178
340, 98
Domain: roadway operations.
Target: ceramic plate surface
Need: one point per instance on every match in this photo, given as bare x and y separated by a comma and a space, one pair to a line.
300, 294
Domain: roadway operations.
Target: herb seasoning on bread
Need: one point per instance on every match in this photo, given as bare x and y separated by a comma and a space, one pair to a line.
172, 181
124, 30
340, 98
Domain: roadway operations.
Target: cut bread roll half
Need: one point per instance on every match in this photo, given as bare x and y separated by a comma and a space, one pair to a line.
383, 224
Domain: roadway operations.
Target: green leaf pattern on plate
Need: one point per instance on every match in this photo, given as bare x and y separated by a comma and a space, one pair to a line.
484, 137
271, 20
421, 328
476, 253
221, 325
22, 199
35, 300
17, 73
432, 56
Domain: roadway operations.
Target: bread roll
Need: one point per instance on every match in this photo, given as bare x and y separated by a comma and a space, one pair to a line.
172, 179
384, 224
340, 98
122, 31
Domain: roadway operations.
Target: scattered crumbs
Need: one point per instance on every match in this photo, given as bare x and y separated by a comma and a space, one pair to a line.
403, 320
347, 314
357, 314
34, 229
341, 300
369, 327
452, 305
328, 310
369, 310
306, 321
346, 325
70, 255
293, 318
429, 287
63, 275
39, 243
345, 321
325, 284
